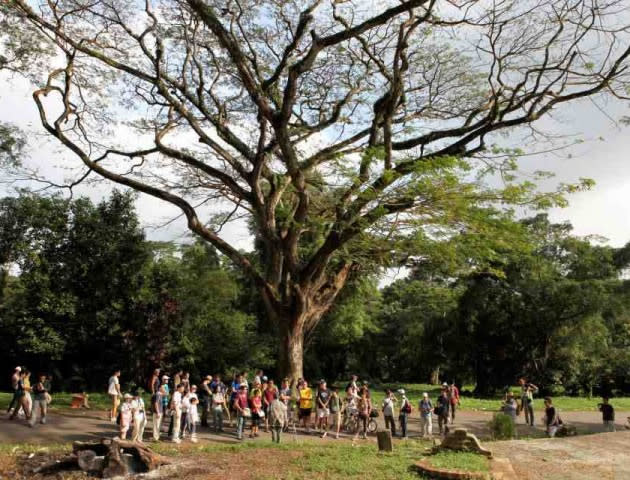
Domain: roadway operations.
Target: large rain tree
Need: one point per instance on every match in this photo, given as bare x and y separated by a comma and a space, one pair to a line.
340, 131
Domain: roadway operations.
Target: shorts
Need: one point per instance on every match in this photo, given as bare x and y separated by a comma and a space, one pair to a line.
255, 420
323, 413
305, 412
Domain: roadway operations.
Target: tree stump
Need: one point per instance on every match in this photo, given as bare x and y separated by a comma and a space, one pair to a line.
384, 438
107, 458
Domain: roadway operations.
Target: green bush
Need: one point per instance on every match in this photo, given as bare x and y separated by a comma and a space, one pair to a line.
502, 427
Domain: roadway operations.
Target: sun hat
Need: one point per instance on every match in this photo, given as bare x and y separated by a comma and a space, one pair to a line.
127, 396
264, 379
242, 385
165, 377
401, 391
18, 369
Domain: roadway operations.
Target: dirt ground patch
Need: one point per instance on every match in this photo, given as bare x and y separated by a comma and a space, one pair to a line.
602, 456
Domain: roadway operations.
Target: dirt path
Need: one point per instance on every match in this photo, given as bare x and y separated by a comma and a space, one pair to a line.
82, 425
603, 456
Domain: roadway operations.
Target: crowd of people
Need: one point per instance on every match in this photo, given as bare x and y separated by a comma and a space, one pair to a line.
261, 404
177, 406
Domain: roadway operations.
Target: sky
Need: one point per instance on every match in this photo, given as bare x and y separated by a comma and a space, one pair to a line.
602, 156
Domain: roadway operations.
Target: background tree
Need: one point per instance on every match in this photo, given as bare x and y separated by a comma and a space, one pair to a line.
337, 130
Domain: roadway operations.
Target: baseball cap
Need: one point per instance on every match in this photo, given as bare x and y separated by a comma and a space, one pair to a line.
425, 394
401, 391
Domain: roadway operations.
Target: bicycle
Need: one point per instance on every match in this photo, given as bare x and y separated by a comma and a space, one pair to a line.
352, 424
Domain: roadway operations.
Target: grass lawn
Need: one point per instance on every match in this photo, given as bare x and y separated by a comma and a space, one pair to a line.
267, 460
460, 461
328, 460
101, 401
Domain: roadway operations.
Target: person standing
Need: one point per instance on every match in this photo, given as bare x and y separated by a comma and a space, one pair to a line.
388, 411
176, 407
126, 416
219, 403
165, 402
277, 418
40, 402
113, 390
608, 415
178, 378
270, 393
186, 399
426, 412
364, 406
154, 382
285, 395
552, 418
527, 400
443, 404
323, 409
157, 409
405, 411
306, 405
453, 395
255, 406
352, 384
15, 378
205, 399
192, 418
335, 410
139, 417
241, 407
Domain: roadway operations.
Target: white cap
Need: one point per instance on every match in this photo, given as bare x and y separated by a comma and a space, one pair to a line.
126, 396
445, 384
401, 391
165, 377
18, 369
425, 394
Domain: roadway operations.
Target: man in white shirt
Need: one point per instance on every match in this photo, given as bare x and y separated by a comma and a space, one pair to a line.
139, 418
176, 406
113, 389
388, 411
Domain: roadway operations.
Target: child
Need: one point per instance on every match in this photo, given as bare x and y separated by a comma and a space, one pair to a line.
255, 405
126, 415
192, 418
608, 415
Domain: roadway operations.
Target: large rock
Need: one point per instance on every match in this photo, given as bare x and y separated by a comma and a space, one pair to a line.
461, 440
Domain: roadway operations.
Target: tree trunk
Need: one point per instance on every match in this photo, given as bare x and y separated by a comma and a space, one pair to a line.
435, 376
291, 358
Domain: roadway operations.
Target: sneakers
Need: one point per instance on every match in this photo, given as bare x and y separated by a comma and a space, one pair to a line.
177, 440
43, 421
193, 439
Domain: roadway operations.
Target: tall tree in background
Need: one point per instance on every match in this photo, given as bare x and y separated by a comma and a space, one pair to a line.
339, 129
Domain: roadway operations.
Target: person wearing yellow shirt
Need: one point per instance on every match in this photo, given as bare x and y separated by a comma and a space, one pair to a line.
305, 400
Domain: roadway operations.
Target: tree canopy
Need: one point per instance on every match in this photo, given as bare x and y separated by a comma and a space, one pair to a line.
341, 131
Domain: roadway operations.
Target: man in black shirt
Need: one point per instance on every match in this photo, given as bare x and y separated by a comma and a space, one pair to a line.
608, 415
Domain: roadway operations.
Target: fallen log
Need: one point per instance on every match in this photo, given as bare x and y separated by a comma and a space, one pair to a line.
69, 462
